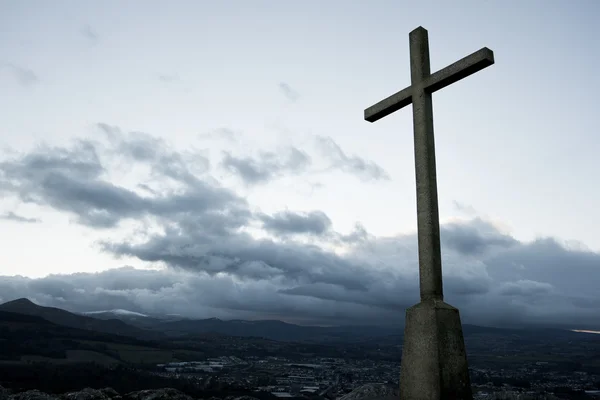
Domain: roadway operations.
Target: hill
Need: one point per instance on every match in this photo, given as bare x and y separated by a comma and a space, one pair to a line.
26, 337
138, 320
286, 332
65, 318
268, 329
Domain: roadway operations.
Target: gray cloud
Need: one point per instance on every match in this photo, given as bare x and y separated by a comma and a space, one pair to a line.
11, 216
155, 152
24, 76
288, 92
267, 166
365, 169
380, 275
70, 180
525, 288
90, 34
214, 268
270, 165
314, 222
247, 278
475, 238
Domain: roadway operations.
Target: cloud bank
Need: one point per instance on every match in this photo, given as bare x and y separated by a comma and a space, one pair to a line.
214, 264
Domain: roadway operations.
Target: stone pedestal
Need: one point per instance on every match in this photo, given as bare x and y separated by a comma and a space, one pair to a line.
434, 361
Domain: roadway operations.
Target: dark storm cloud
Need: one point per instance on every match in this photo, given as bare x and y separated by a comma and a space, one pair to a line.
177, 292
203, 252
24, 76
525, 288
268, 165
261, 279
364, 169
288, 92
287, 222
11, 216
475, 238
381, 274
214, 268
70, 179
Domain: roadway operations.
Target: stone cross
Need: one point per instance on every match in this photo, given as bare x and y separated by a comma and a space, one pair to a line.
434, 364
423, 84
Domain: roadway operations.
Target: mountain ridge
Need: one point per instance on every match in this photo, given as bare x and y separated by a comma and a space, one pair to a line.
151, 327
66, 318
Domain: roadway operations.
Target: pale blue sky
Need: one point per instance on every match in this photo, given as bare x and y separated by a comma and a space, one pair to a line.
517, 142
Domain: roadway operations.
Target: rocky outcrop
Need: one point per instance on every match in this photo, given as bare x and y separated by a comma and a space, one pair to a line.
31, 395
4, 393
92, 394
105, 394
365, 392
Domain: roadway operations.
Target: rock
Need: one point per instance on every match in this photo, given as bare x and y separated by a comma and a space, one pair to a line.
110, 392
5, 393
102, 394
90, 394
32, 395
157, 394
372, 391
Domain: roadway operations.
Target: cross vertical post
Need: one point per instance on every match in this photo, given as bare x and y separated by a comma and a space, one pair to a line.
434, 362
430, 263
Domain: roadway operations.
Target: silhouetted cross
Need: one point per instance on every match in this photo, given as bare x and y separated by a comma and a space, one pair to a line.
423, 84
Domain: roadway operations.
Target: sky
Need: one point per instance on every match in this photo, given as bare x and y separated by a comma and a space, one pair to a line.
211, 159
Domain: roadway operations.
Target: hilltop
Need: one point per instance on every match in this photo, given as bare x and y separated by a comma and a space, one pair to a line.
65, 318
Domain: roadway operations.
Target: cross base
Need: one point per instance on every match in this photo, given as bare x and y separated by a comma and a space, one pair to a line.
434, 361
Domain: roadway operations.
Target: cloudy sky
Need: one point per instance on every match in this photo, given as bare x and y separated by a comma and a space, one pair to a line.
211, 159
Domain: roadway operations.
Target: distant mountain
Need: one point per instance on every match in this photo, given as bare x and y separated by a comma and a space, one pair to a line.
32, 325
270, 329
176, 326
26, 337
7, 318
66, 318
139, 320
121, 312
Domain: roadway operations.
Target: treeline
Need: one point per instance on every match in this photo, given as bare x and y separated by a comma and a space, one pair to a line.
56, 379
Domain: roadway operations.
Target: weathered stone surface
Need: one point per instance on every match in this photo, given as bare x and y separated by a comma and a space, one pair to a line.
4, 393
434, 359
110, 392
91, 394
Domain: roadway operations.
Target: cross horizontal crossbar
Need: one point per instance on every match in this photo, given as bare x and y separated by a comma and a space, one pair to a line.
452, 73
